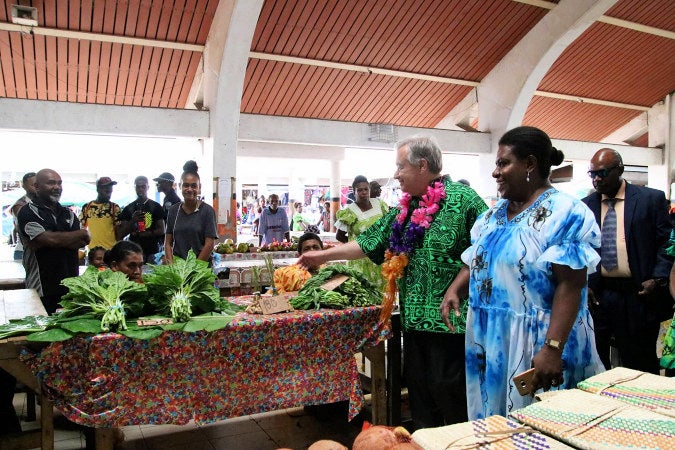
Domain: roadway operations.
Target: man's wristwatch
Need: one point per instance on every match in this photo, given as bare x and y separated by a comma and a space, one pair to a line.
555, 344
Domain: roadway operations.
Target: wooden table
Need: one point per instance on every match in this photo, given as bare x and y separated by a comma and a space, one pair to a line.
255, 364
17, 304
12, 275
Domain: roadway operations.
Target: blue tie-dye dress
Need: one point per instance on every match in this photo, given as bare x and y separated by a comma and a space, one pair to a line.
511, 293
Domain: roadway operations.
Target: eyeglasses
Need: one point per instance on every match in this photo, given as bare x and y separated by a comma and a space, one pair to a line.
602, 173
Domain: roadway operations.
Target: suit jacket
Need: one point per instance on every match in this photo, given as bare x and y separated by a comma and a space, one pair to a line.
647, 227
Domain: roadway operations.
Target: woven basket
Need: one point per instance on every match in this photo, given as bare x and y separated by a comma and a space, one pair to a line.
495, 432
637, 388
590, 421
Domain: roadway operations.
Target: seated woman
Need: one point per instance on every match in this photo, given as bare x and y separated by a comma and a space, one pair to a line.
126, 257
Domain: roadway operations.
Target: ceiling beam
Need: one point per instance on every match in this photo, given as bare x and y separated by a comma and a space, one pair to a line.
87, 118
314, 132
631, 155
594, 101
361, 69
610, 20
99, 37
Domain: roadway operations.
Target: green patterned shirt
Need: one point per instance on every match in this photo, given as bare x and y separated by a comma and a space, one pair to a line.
435, 262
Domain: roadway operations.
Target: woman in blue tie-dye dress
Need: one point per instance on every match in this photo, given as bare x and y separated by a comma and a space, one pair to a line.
526, 272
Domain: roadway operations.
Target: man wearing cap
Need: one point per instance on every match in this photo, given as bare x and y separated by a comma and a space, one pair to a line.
101, 215
165, 185
143, 221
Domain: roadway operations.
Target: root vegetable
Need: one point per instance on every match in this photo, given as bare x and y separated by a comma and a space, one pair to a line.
375, 438
378, 437
325, 444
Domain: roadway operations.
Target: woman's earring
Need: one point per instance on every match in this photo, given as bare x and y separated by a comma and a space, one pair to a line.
528, 176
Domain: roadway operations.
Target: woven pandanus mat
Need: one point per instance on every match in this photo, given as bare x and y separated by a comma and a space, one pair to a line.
590, 421
495, 432
634, 387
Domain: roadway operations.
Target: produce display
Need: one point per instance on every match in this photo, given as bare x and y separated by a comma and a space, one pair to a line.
290, 278
105, 294
276, 246
355, 291
228, 247
177, 288
102, 301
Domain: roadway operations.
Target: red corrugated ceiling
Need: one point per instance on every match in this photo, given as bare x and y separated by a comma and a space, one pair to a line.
74, 70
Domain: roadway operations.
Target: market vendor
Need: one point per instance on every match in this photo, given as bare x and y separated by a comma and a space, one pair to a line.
420, 244
309, 242
126, 257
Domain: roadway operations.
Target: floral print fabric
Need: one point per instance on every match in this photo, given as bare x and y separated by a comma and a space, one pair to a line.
256, 364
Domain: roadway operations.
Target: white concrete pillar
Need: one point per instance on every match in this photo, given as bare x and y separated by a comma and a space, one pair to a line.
669, 147
506, 92
225, 60
335, 178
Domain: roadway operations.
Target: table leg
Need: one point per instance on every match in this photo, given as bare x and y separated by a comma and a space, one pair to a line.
104, 438
46, 422
394, 373
378, 391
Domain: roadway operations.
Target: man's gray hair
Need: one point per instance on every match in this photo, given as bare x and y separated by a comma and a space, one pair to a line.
423, 147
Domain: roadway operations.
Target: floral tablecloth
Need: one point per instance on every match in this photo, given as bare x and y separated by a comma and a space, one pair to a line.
256, 364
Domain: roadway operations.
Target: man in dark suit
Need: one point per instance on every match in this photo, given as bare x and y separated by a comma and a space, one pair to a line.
630, 287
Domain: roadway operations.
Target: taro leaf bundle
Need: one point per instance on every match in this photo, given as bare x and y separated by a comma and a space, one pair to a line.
355, 291
183, 288
107, 295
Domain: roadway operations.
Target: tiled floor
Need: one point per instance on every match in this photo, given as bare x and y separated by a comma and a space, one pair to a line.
294, 428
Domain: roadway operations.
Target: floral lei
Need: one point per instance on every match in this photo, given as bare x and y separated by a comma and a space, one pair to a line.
402, 241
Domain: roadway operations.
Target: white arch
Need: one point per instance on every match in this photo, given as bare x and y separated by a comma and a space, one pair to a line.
506, 92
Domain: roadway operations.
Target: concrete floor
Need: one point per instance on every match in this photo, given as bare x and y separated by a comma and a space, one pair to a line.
295, 428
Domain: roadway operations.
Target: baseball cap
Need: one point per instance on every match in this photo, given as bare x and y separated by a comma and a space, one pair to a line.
105, 181
166, 176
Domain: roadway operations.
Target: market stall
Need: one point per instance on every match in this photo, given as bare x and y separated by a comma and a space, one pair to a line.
195, 356
256, 364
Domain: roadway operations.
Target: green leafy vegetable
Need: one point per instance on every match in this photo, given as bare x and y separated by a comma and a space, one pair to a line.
355, 291
179, 288
53, 335
30, 324
102, 293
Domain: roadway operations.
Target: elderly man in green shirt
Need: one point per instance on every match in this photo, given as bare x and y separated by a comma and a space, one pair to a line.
422, 240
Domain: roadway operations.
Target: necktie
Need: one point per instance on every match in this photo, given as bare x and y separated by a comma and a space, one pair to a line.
608, 235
